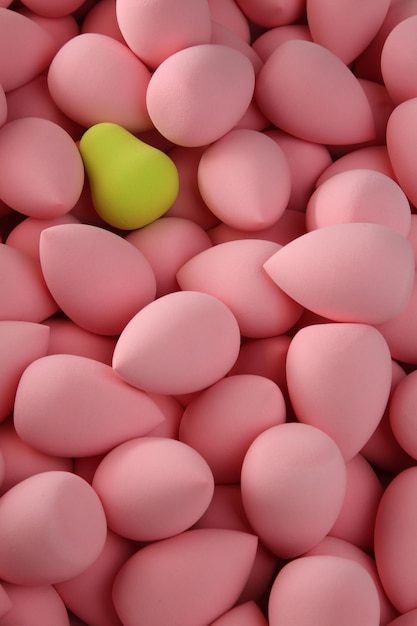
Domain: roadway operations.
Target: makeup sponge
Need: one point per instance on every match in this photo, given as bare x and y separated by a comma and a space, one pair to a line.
215, 564
352, 362
156, 29
153, 487
324, 590
103, 412
75, 258
293, 484
212, 83
351, 272
307, 91
53, 527
132, 183
180, 343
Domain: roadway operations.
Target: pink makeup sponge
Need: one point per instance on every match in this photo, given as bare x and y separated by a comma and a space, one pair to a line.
152, 588
223, 420
233, 272
352, 363
104, 411
402, 411
53, 527
401, 144
398, 61
94, 78
26, 49
155, 30
41, 170
180, 343
34, 604
213, 83
359, 195
25, 296
153, 488
356, 520
317, 270
345, 29
21, 343
307, 91
245, 180
395, 541
75, 258
293, 484
331, 546
323, 590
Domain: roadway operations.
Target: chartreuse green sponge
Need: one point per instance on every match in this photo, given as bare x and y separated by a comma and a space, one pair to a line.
132, 183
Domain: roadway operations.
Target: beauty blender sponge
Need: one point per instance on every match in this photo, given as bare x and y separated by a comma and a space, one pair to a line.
345, 29
352, 363
103, 412
293, 484
31, 605
245, 180
223, 420
398, 61
156, 29
132, 183
401, 139
53, 525
359, 195
41, 171
322, 591
75, 258
186, 580
180, 343
26, 49
94, 78
395, 541
307, 91
200, 93
152, 488
351, 272
402, 411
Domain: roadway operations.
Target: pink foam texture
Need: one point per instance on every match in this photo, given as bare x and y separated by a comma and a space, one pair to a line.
209, 420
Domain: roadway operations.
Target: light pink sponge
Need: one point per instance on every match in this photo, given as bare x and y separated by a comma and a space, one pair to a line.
155, 29
198, 94
98, 279
307, 91
357, 272
53, 527
293, 484
41, 170
153, 487
186, 580
180, 343
396, 542
324, 590
339, 380
69, 405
